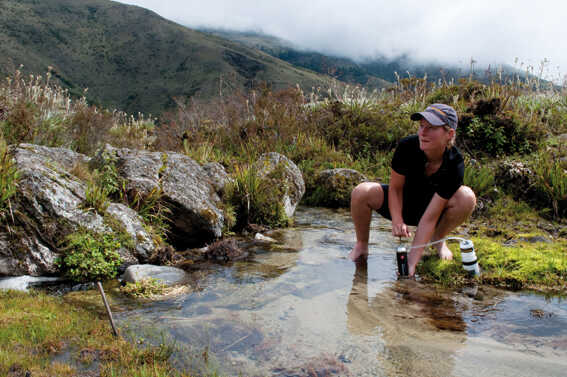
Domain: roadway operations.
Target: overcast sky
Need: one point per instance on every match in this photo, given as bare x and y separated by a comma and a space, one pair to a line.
446, 31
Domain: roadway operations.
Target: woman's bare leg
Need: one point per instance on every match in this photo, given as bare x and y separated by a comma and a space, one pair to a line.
365, 198
459, 208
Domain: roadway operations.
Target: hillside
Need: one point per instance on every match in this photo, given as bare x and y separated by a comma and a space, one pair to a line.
340, 68
129, 57
372, 73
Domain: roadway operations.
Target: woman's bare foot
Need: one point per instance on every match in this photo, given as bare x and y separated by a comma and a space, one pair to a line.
359, 251
444, 252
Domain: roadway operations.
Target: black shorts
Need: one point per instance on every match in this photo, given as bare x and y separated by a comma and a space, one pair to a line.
415, 203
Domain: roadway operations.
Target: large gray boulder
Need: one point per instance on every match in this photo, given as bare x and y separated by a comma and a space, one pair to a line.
185, 187
334, 186
284, 173
47, 207
218, 176
165, 274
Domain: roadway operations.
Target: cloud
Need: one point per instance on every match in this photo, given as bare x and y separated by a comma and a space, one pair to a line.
445, 31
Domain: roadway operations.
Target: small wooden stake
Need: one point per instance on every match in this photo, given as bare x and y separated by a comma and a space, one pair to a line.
101, 290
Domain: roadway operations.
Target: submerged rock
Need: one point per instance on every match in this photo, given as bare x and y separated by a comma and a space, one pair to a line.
224, 251
165, 274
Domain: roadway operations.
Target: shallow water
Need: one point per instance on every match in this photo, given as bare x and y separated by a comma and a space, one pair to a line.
303, 309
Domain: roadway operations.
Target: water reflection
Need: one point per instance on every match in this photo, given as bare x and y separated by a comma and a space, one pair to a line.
422, 329
301, 308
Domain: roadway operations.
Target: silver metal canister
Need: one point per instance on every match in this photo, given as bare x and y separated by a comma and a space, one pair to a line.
468, 257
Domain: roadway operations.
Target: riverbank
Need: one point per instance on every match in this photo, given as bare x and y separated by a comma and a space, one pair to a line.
516, 247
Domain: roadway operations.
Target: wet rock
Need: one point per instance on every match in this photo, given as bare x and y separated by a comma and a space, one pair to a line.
281, 171
224, 251
23, 283
261, 238
167, 275
185, 190
334, 186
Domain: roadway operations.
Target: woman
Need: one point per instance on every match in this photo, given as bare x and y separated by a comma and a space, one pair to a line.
426, 188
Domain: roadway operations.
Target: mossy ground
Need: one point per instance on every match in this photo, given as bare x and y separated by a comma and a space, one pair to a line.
69, 336
516, 249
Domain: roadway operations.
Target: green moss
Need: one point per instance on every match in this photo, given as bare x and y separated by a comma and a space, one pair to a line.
539, 265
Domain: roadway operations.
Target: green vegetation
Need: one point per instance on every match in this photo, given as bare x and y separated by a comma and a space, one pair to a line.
145, 288
520, 265
254, 199
90, 257
36, 328
8, 178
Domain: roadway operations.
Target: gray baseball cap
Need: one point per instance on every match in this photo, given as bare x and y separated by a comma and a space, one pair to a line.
438, 114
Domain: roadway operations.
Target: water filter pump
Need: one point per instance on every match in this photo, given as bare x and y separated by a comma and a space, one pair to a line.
402, 260
468, 257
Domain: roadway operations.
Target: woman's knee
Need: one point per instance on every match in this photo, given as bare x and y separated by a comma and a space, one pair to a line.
465, 198
369, 193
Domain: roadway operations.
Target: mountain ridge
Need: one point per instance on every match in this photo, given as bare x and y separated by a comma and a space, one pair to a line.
131, 58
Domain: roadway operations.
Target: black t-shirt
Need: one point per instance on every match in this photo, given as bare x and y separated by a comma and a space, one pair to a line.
409, 161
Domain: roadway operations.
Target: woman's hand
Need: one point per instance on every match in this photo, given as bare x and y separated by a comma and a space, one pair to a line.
400, 230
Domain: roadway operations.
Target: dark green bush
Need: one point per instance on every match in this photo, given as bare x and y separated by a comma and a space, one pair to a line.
90, 256
490, 131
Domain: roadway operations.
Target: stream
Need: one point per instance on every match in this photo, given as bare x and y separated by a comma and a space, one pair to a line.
301, 308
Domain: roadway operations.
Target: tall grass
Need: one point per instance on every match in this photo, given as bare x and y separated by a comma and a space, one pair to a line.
33, 110
345, 126
8, 179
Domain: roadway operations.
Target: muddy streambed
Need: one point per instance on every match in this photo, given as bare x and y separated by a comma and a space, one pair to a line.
303, 309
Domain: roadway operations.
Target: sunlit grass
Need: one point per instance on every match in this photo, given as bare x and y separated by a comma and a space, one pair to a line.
37, 327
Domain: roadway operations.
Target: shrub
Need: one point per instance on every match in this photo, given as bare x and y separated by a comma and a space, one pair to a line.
90, 256
129, 132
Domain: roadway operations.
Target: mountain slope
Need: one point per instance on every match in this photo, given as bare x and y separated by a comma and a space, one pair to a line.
129, 57
372, 73
340, 68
